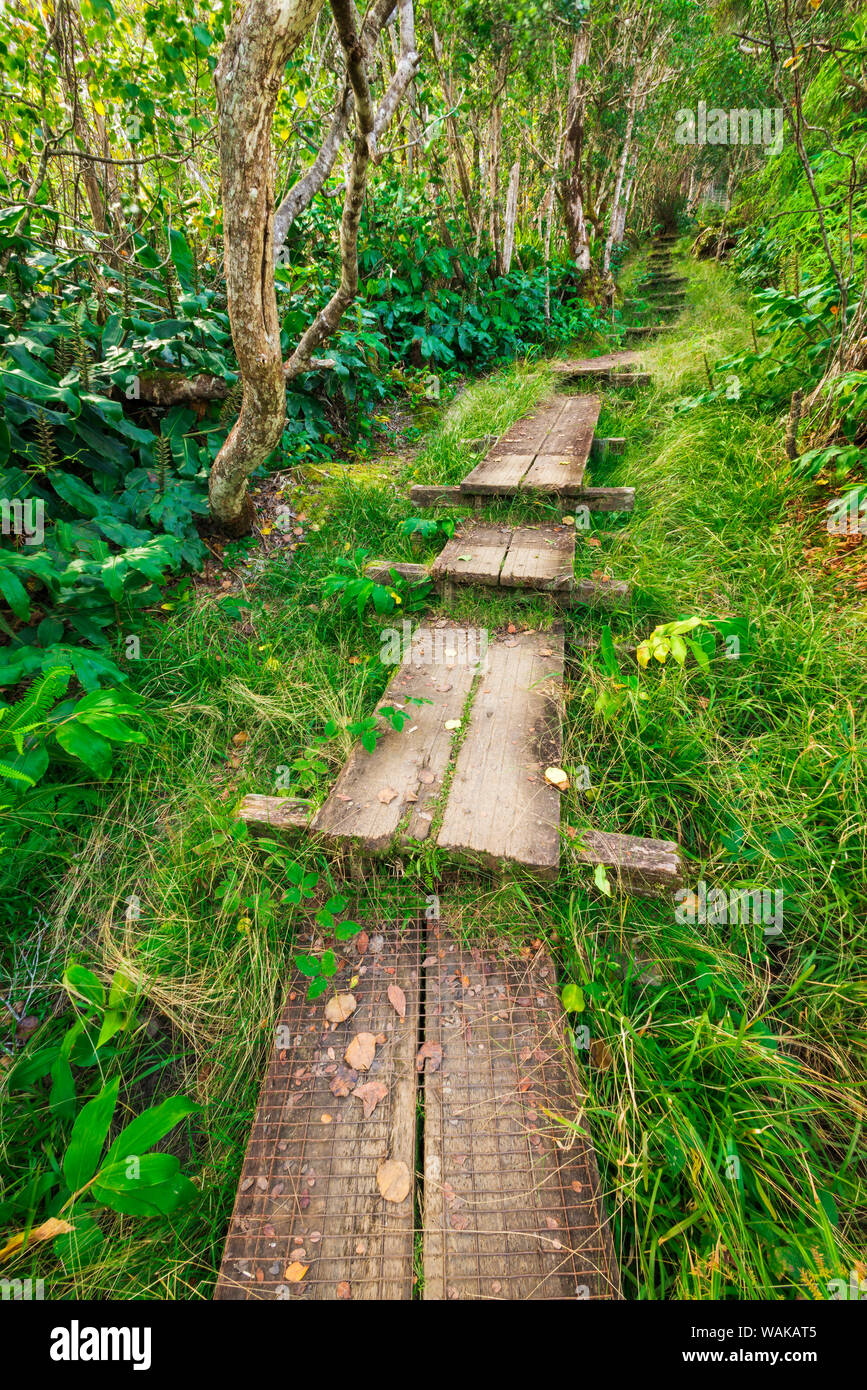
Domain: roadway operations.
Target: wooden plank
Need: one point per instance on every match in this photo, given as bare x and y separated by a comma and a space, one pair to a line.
286, 813
608, 362
308, 1193
474, 555
554, 473
498, 473
608, 499
411, 763
539, 557
527, 435
512, 1202
644, 330
436, 496
499, 806
380, 570
650, 867
598, 593
572, 435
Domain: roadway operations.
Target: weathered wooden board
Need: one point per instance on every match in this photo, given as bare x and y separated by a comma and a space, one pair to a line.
308, 1195
555, 473
499, 805
499, 473
638, 330
608, 499
540, 557
572, 435
650, 867
438, 496
440, 668
608, 362
547, 453
512, 1202
530, 557
474, 555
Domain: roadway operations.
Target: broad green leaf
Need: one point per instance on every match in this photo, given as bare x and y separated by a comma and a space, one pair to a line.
89, 1133
151, 1126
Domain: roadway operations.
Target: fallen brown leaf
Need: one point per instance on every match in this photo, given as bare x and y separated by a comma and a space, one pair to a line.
340, 1007
393, 1180
397, 1000
360, 1052
429, 1052
370, 1094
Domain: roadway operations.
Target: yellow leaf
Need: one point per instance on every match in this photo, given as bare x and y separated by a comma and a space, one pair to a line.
301, 99
47, 1231
642, 655
296, 1271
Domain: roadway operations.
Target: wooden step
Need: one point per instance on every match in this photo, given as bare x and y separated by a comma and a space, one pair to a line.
500, 807
604, 592
512, 1201
474, 555
546, 453
664, 281
651, 868
611, 368
595, 499
643, 330
529, 557
440, 667
654, 306
503, 1196
607, 362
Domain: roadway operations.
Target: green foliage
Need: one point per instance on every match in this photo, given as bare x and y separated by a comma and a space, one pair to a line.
74, 1171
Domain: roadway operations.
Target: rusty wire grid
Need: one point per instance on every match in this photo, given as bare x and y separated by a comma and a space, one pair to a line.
512, 1205
472, 1090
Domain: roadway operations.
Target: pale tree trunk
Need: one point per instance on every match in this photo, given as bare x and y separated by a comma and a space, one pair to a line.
573, 186
248, 78
621, 173
549, 223
455, 143
511, 216
495, 141
302, 192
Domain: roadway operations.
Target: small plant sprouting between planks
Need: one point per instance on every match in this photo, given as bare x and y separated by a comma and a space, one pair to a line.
309, 767
354, 590
320, 969
427, 528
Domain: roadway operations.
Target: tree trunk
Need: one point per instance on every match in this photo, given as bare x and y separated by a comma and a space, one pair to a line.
572, 195
621, 173
511, 216
258, 44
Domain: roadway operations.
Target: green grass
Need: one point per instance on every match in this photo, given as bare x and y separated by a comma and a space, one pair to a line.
716, 1045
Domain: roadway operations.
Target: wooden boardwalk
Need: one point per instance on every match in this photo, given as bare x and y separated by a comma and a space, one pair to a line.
546, 453
522, 557
498, 1188
421, 1132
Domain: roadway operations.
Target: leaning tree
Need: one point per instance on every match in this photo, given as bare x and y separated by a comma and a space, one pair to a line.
248, 78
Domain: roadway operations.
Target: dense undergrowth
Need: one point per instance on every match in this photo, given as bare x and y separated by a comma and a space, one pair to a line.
722, 1076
